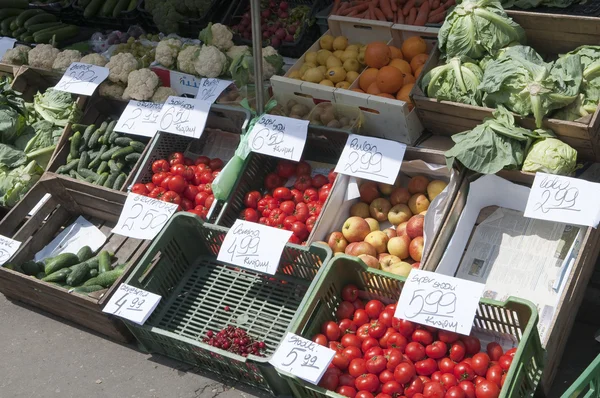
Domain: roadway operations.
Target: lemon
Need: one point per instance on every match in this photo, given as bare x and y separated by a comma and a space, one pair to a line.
338, 54
336, 74
295, 75
322, 56
349, 55
333, 61
311, 57
326, 42
351, 76
340, 43
343, 84
326, 82
351, 65
313, 75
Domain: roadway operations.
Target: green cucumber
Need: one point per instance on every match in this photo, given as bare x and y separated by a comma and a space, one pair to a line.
30, 268
112, 165
13, 25
40, 18
78, 275
92, 9
98, 157
27, 38
88, 133
93, 262
22, 4
102, 168
42, 26
113, 137
87, 289
104, 264
102, 179
92, 274
121, 6
85, 253
108, 7
123, 141
10, 12
137, 146
59, 35
26, 15
133, 158
40, 275
68, 167
87, 173
111, 180
58, 276
119, 181
18, 32
94, 138
75, 143
122, 152
105, 279
61, 261
5, 24
76, 175
84, 160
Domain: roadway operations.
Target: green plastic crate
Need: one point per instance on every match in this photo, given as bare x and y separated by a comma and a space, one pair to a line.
587, 384
516, 317
181, 266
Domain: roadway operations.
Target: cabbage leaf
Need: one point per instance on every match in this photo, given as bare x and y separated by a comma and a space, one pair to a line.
458, 81
550, 155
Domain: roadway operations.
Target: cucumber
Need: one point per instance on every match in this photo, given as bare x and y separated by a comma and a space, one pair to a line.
5, 24
84, 160
92, 9
111, 180
25, 15
87, 173
97, 158
102, 179
18, 32
58, 276
10, 12
40, 275
78, 127
42, 26
62, 33
61, 261
104, 265
122, 152
30, 268
86, 289
123, 141
88, 133
76, 175
75, 143
13, 25
85, 253
94, 138
22, 4
40, 18
105, 279
50, 29
102, 168
113, 137
93, 262
92, 274
119, 181
27, 38
68, 167
78, 275
132, 5
132, 157
108, 154
121, 6
137, 146
108, 7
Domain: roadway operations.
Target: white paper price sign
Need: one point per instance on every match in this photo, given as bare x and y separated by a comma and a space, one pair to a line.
184, 116
211, 89
143, 217
564, 199
8, 247
82, 79
6, 43
371, 158
132, 303
184, 84
279, 136
139, 118
302, 358
254, 246
440, 301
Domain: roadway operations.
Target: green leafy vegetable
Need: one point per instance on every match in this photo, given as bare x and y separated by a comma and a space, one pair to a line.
14, 184
457, 81
56, 107
550, 155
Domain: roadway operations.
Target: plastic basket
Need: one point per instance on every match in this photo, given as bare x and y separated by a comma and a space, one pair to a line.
181, 266
122, 22
515, 317
587, 384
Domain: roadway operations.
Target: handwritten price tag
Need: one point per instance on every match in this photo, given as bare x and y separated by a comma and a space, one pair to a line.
279, 136
439, 300
82, 79
254, 246
184, 84
6, 43
184, 116
211, 89
563, 199
371, 158
302, 358
143, 217
8, 247
139, 118
132, 303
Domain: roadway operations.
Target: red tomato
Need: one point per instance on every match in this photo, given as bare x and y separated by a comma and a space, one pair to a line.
350, 340
472, 344
447, 336
406, 328
199, 213
165, 183
457, 351
376, 330
376, 364
314, 208
511, 353
310, 195
383, 341
505, 361
358, 304
394, 358
436, 350
287, 206
330, 380
249, 215
464, 371
477, 380
487, 389
415, 387
494, 374
426, 367
184, 171
301, 212
360, 318
448, 380
346, 391
265, 221
385, 376
346, 380
433, 390
446, 365
190, 192
303, 182
209, 201
367, 382
324, 194
346, 326
404, 373
336, 346
364, 394
276, 217
319, 180
369, 343
297, 196
150, 186
158, 178
415, 351
299, 229
272, 181
374, 308
282, 193
202, 167
386, 317
436, 376
202, 160
357, 367
352, 352
177, 183
172, 197
455, 392
422, 336
340, 361
321, 339
160, 166
363, 331
285, 168
157, 193
468, 388
310, 223
345, 310
176, 158
251, 199
206, 177
331, 176
216, 164
392, 388
479, 363
200, 199
140, 189
350, 293
373, 351
331, 330
187, 204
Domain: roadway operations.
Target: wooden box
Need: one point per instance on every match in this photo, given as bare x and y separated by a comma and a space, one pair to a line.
69, 199
8, 70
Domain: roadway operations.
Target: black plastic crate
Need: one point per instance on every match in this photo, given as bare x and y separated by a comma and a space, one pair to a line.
122, 22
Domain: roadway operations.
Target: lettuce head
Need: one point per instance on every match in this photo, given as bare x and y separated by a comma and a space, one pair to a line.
458, 80
550, 155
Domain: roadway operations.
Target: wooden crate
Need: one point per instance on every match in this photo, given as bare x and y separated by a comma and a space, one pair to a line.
69, 200
8, 70
575, 282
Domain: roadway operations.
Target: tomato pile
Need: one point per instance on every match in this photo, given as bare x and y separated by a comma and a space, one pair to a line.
295, 209
183, 181
235, 340
379, 356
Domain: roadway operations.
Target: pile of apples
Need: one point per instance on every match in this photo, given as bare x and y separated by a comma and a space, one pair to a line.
395, 249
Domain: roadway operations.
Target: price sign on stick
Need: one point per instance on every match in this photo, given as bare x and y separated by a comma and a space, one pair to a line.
371, 158
139, 118
184, 116
8, 247
302, 358
254, 246
279, 136
6, 43
439, 300
143, 217
563, 199
132, 303
82, 79
211, 89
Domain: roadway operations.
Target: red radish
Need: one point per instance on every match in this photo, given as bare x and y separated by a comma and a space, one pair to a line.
283, 6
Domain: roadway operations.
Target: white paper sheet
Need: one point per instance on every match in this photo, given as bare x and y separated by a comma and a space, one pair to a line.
77, 235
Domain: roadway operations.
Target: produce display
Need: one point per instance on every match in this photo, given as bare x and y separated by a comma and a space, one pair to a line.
33, 25
167, 14
236, 340
408, 12
379, 355
102, 8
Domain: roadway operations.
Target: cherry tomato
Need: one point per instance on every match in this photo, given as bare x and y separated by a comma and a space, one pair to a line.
422, 336
176, 158
346, 380
285, 168
330, 380
350, 340
340, 360
369, 343
272, 181
415, 351
367, 382
480, 363
346, 391
464, 371
376, 364
319, 180
494, 374
404, 372
360, 318
487, 389
321, 339
140, 189
426, 367
357, 367
331, 330
436, 350
249, 215
282, 193
457, 351
455, 392
177, 183
505, 361
472, 344
172, 197
468, 388
160, 166
433, 390
216, 164
251, 199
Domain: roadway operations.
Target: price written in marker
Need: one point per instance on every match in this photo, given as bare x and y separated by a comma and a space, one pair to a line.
254, 246
371, 158
211, 89
184, 116
302, 358
440, 301
82, 79
6, 43
563, 199
184, 84
143, 217
8, 247
139, 118
279, 136
132, 303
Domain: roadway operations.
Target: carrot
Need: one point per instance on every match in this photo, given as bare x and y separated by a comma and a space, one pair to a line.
400, 16
436, 4
412, 15
386, 9
439, 17
379, 14
358, 8
375, 3
406, 9
449, 4
336, 6
421, 18
439, 10
430, 3
394, 6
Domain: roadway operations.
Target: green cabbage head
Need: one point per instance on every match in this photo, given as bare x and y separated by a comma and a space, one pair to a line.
550, 155
458, 81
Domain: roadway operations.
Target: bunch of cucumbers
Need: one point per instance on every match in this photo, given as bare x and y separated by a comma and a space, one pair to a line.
80, 273
101, 156
32, 25
106, 8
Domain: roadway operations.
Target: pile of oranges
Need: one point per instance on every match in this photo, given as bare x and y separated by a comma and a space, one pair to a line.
392, 71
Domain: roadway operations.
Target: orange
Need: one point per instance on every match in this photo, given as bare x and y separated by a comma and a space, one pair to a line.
373, 89
403, 93
402, 65
358, 90
366, 78
417, 61
413, 46
396, 52
386, 95
377, 54
418, 71
389, 79
408, 79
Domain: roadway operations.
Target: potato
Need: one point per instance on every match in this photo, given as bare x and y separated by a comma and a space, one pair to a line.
328, 116
344, 120
300, 109
334, 123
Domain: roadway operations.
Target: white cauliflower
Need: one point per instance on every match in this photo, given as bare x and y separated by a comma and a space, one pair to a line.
16, 56
94, 59
236, 51
141, 85
211, 62
42, 56
65, 59
272, 62
120, 66
162, 93
217, 35
166, 52
186, 59
111, 90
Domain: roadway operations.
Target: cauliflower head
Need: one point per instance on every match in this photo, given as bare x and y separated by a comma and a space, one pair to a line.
272, 62
210, 62
141, 85
17, 55
217, 35
186, 59
120, 66
236, 51
65, 58
162, 93
166, 52
111, 90
43, 56
94, 59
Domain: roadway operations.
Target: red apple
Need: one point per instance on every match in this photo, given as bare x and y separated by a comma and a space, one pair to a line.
415, 248
418, 203
390, 232
360, 209
358, 248
418, 184
337, 242
401, 228
378, 240
355, 229
399, 213
414, 226
398, 246
371, 261
368, 191
399, 195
